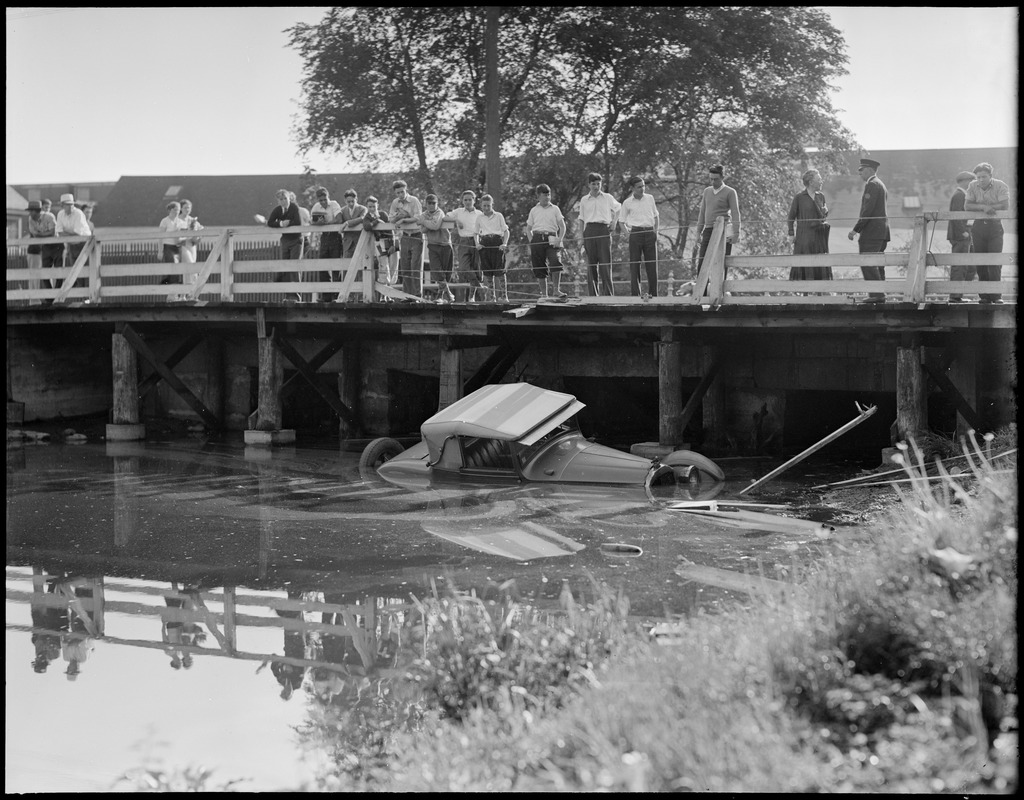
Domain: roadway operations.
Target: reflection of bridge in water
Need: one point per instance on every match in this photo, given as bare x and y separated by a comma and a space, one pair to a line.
325, 644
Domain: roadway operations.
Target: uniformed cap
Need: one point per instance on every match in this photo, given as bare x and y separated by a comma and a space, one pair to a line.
869, 162
964, 176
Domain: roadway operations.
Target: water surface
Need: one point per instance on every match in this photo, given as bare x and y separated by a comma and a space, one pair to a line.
200, 602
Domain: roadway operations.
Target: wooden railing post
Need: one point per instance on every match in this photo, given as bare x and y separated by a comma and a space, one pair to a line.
914, 290
227, 263
95, 279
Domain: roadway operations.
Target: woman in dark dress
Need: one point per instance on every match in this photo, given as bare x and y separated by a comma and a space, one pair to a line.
809, 211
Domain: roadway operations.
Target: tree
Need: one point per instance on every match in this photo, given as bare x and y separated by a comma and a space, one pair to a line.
659, 91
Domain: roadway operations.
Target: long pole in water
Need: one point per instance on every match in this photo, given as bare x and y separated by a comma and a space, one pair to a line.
853, 423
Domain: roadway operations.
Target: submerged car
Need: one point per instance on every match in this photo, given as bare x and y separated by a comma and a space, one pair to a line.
517, 433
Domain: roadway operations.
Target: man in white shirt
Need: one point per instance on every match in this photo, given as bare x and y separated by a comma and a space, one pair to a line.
465, 241
990, 196
598, 212
492, 241
639, 216
545, 229
71, 221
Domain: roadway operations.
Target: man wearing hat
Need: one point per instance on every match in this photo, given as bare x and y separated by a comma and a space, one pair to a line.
71, 221
958, 232
41, 225
990, 196
873, 225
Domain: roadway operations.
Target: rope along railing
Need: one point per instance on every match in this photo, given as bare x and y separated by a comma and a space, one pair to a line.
244, 264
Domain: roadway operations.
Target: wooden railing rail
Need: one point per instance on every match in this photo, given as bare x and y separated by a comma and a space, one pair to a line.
241, 264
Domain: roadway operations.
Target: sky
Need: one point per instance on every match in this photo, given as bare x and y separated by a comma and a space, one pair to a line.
97, 93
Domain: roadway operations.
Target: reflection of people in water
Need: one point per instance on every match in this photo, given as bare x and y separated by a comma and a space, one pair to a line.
178, 634
297, 646
82, 629
46, 621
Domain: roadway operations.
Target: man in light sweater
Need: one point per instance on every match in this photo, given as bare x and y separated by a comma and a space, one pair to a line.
718, 200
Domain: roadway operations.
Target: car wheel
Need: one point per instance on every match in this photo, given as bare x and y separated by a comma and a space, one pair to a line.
377, 452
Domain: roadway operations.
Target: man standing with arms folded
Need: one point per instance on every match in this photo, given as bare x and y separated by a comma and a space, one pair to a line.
598, 212
404, 208
873, 225
639, 216
958, 232
990, 196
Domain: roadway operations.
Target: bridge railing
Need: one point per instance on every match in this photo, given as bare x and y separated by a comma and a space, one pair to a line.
243, 264
925, 274
239, 264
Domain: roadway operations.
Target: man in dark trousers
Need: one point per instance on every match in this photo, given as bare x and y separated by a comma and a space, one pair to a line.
873, 225
959, 234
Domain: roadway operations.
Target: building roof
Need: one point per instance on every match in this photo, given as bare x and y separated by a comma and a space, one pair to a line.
141, 201
15, 202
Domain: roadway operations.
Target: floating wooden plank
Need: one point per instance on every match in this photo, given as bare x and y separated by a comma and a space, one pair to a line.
734, 581
864, 414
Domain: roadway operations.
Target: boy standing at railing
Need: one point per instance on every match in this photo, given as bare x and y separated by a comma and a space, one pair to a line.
493, 241
545, 229
439, 247
410, 242
465, 219
989, 195
958, 232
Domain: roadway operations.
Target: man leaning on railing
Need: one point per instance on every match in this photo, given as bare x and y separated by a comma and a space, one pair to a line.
987, 194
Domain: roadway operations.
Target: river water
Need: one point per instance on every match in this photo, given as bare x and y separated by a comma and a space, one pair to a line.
198, 602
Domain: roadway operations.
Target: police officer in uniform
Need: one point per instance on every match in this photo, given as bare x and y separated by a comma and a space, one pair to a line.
873, 225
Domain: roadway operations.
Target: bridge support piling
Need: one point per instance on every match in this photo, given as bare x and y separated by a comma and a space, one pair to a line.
271, 377
911, 401
124, 425
713, 407
348, 387
670, 389
450, 367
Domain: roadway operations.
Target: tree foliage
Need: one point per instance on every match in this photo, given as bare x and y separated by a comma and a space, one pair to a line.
657, 91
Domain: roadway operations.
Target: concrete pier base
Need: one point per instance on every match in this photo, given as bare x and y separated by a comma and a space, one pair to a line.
269, 438
126, 432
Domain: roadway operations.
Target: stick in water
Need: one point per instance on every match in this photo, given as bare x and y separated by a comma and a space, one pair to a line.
864, 414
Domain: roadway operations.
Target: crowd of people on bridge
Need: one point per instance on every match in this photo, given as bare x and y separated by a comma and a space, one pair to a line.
470, 242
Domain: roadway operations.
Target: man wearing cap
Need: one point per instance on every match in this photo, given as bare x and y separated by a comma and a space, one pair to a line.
718, 200
990, 196
40, 225
873, 225
958, 232
71, 221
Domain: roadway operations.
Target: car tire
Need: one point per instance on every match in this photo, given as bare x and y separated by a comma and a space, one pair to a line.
377, 452
682, 458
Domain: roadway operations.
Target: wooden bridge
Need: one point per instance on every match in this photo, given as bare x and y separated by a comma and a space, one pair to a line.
240, 289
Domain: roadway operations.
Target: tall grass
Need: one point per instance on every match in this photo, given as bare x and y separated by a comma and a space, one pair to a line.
893, 669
